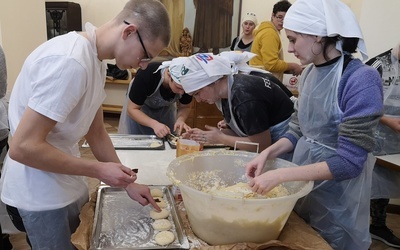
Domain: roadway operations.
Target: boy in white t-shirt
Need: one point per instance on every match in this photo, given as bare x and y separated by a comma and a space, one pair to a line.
56, 101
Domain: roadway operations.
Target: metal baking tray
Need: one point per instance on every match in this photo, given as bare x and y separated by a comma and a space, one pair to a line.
122, 223
125, 141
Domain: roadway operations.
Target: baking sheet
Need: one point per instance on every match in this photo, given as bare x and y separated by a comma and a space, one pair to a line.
125, 141
121, 223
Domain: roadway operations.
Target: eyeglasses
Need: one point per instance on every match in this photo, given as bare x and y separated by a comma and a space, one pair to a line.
279, 17
148, 58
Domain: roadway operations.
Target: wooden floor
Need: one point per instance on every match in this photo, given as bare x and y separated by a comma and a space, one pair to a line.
111, 123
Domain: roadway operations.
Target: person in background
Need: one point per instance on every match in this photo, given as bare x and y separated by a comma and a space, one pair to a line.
55, 102
385, 182
332, 128
267, 44
244, 41
156, 103
255, 109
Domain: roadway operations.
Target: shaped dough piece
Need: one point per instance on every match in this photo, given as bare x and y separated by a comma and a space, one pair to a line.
156, 192
164, 238
161, 203
162, 225
159, 215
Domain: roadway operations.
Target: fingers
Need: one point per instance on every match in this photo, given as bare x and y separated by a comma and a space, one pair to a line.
151, 200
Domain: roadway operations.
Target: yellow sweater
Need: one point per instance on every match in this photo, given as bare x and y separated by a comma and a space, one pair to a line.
268, 47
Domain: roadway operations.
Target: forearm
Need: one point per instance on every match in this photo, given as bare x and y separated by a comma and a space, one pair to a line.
143, 119
315, 171
44, 156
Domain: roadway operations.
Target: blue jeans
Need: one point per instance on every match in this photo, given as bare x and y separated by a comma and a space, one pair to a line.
51, 229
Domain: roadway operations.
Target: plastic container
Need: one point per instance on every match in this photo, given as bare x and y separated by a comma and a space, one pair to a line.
220, 220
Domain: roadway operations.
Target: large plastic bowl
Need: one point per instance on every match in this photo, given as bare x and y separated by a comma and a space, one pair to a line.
222, 220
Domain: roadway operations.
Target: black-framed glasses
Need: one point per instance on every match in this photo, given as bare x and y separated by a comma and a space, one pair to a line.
279, 17
148, 58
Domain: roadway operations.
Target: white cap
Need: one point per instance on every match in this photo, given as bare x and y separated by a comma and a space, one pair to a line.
250, 16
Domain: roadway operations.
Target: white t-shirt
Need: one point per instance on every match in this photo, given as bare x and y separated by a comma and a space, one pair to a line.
63, 80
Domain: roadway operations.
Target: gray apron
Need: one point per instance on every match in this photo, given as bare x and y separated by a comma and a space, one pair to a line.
386, 182
338, 210
155, 107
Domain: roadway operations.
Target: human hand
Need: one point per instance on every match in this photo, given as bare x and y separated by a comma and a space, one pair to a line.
392, 122
295, 69
180, 126
255, 166
161, 130
264, 183
141, 193
116, 174
210, 136
221, 124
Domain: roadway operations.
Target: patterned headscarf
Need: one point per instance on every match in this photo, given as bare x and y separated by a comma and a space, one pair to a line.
200, 70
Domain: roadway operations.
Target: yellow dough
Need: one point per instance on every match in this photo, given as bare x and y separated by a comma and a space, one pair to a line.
162, 225
161, 203
155, 144
156, 192
159, 215
164, 238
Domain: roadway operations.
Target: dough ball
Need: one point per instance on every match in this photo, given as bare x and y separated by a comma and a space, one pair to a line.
155, 144
162, 225
156, 192
161, 203
159, 215
164, 238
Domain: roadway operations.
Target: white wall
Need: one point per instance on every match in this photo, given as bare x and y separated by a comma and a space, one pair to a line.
22, 29
379, 21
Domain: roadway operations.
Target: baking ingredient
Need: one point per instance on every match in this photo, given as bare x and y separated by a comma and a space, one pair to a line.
159, 215
164, 238
161, 203
162, 225
155, 192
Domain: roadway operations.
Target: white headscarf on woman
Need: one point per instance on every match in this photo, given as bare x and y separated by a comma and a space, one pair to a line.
200, 70
175, 68
239, 59
325, 18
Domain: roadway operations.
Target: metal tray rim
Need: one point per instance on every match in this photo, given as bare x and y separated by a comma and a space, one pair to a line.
182, 238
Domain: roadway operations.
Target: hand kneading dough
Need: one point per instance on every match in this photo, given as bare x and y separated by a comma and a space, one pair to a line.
161, 203
155, 192
164, 238
159, 215
162, 225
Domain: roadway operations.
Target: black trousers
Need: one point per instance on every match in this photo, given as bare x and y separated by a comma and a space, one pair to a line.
378, 212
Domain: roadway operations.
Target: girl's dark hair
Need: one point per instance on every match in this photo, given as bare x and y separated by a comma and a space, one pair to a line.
349, 44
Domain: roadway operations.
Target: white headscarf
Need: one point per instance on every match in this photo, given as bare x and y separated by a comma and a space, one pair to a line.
249, 16
324, 18
239, 59
175, 68
200, 70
